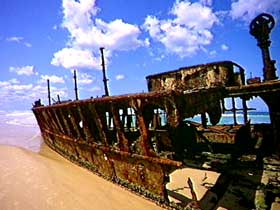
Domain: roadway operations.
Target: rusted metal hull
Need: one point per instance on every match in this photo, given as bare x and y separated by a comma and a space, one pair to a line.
142, 174
101, 135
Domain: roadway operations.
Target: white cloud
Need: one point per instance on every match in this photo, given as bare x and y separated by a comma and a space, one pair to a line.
193, 15
55, 27
24, 70
152, 24
9, 82
247, 10
160, 57
85, 79
224, 47
88, 34
62, 92
27, 44
213, 53
95, 89
20, 88
52, 78
10, 89
14, 81
78, 14
188, 32
74, 58
117, 35
13, 92
120, 77
18, 39
40, 91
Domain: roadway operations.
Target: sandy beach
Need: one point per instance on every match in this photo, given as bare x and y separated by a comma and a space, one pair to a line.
45, 180
31, 181
34, 177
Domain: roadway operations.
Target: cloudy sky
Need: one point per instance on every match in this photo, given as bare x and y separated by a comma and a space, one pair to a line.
47, 39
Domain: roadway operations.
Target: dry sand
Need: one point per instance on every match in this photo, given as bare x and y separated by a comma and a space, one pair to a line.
201, 180
45, 180
32, 181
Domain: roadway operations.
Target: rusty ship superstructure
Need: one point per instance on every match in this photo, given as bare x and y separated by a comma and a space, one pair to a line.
137, 140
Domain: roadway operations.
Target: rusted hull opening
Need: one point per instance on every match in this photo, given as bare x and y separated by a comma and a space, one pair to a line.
130, 140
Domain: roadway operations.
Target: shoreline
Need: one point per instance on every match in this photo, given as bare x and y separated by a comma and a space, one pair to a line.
45, 180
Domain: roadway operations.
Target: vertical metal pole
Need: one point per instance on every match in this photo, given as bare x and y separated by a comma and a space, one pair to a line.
49, 92
76, 87
234, 111
58, 98
204, 120
104, 73
245, 110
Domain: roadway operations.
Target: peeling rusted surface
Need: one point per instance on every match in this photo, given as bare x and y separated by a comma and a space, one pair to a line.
200, 76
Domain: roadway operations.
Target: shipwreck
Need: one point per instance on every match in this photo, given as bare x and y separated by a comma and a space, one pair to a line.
138, 140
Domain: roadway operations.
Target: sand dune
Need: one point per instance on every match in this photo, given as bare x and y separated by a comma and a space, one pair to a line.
31, 181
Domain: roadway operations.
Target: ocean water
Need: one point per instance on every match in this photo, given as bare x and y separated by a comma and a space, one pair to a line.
227, 118
19, 128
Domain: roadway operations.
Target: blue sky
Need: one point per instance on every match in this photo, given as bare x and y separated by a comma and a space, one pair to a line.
42, 39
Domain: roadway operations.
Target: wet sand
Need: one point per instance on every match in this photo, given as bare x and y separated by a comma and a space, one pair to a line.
45, 180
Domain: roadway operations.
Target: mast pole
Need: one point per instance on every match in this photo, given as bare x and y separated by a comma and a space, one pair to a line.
58, 98
49, 92
105, 80
76, 87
